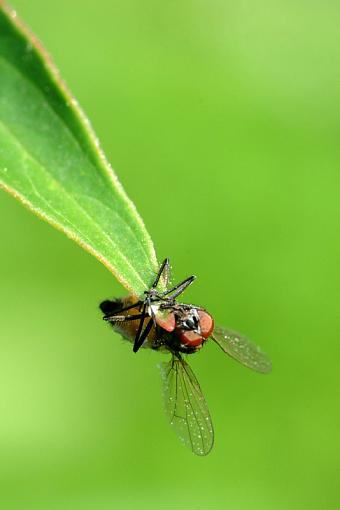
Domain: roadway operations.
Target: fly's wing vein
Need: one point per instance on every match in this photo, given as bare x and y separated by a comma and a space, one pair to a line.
186, 407
242, 349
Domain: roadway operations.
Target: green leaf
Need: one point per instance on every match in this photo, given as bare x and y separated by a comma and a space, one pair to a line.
51, 161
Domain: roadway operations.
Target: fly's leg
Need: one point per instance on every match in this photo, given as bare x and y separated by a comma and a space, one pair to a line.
105, 308
164, 267
123, 318
140, 327
178, 289
139, 343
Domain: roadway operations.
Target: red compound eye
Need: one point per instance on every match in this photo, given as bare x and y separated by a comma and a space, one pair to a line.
166, 320
193, 339
206, 323
190, 338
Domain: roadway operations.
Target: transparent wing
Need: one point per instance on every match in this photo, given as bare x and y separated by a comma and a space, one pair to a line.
164, 274
242, 349
186, 407
167, 274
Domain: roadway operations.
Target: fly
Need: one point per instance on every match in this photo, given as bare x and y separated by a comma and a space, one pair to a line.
160, 322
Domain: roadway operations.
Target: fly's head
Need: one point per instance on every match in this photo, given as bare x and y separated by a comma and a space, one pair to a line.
189, 325
187, 318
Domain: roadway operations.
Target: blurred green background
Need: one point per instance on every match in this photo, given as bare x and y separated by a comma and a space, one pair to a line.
222, 120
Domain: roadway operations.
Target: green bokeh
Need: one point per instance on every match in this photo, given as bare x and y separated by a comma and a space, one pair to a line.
222, 120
